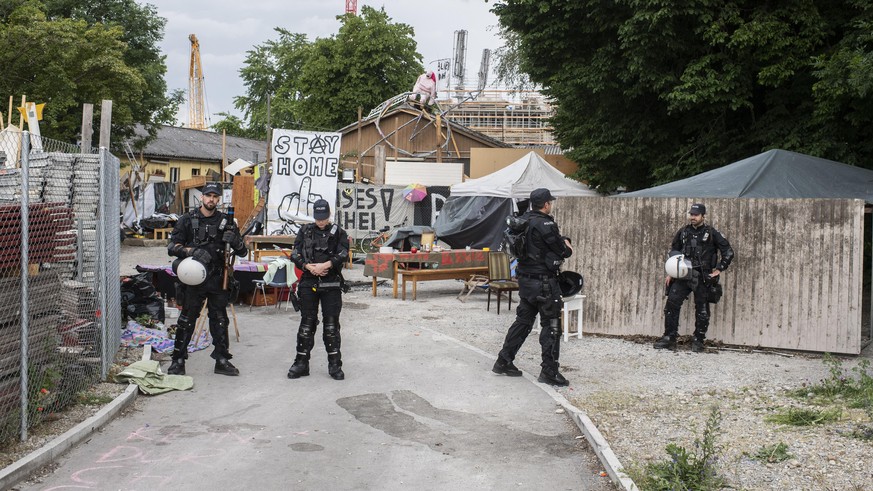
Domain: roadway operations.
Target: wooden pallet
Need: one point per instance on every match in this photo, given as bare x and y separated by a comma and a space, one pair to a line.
257, 211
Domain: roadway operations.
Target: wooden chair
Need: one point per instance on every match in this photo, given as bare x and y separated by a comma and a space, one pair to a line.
500, 278
475, 281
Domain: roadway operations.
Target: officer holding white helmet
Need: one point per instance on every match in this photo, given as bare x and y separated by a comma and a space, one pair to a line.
539, 292
199, 241
699, 253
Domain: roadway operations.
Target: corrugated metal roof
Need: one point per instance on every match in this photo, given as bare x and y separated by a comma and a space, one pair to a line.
547, 149
188, 144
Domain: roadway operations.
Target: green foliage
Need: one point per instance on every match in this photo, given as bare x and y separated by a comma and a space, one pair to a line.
856, 391
146, 320
88, 399
686, 470
839, 386
42, 396
805, 417
67, 53
649, 92
320, 84
773, 453
234, 126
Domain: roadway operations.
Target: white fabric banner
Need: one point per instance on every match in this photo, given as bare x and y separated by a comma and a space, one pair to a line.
305, 166
366, 208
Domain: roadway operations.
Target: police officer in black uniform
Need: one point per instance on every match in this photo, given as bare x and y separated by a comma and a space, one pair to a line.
710, 253
320, 251
539, 290
204, 234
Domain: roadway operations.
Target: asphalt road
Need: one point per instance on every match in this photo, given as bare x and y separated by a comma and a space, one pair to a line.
418, 410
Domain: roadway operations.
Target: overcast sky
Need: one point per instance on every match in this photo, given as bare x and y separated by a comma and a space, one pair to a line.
227, 29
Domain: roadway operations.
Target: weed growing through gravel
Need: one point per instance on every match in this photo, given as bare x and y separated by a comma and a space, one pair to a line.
87, 399
798, 416
773, 453
865, 431
843, 388
857, 391
691, 470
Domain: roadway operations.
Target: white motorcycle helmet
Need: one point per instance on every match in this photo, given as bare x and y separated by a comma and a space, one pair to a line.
191, 272
677, 266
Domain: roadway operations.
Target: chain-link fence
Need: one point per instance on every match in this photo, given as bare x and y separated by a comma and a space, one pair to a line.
60, 313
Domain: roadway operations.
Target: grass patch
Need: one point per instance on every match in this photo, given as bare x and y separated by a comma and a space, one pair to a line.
686, 469
805, 417
773, 453
86, 399
855, 387
852, 389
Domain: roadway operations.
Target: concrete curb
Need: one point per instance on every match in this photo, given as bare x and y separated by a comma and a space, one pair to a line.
586, 426
135, 242
24, 467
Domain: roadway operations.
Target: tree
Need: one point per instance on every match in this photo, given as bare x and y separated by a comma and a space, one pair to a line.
67, 53
319, 85
648, 92
272, 70
233, 126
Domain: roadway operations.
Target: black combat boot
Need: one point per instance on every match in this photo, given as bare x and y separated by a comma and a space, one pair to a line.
666, 342
180, 347
177, 367
697, 345
223, 366
552, 377
505, 368
334, 367
300, 368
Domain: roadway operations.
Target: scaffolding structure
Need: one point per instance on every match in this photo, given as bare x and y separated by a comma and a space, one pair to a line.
513, 117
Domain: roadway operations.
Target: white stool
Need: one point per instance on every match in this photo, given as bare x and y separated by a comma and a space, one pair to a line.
572, 304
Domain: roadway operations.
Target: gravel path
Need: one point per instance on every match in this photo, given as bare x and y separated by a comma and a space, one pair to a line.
641, 399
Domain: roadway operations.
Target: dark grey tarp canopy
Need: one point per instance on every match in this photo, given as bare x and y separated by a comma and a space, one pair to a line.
772, 174
474, 221
406, 237
475, 213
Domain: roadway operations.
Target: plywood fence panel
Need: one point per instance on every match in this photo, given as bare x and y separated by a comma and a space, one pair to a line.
795, 283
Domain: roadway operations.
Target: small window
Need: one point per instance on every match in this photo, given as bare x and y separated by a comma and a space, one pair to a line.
195, 172
174, 174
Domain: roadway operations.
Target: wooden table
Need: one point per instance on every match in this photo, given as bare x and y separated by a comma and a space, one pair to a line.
391, 265
262, 245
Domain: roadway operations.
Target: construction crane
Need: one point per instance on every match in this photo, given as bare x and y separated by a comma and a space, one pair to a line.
196, 89
352, 7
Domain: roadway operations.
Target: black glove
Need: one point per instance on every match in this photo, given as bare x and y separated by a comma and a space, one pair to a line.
202, 256
233, 238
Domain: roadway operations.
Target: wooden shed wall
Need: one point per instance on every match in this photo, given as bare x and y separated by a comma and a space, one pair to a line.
425, 140
795, 283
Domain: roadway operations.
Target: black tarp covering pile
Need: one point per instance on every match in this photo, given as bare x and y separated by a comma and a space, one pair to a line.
474, 221
139, 297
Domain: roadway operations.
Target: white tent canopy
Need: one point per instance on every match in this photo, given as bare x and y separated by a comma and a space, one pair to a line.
521, 177
475, 213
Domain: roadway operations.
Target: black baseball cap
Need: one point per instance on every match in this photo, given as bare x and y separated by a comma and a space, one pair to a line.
321, 210
541, 196
212, 187
697, 209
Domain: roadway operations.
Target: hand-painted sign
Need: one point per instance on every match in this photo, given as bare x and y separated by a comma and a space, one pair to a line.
364, 208
305, 166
